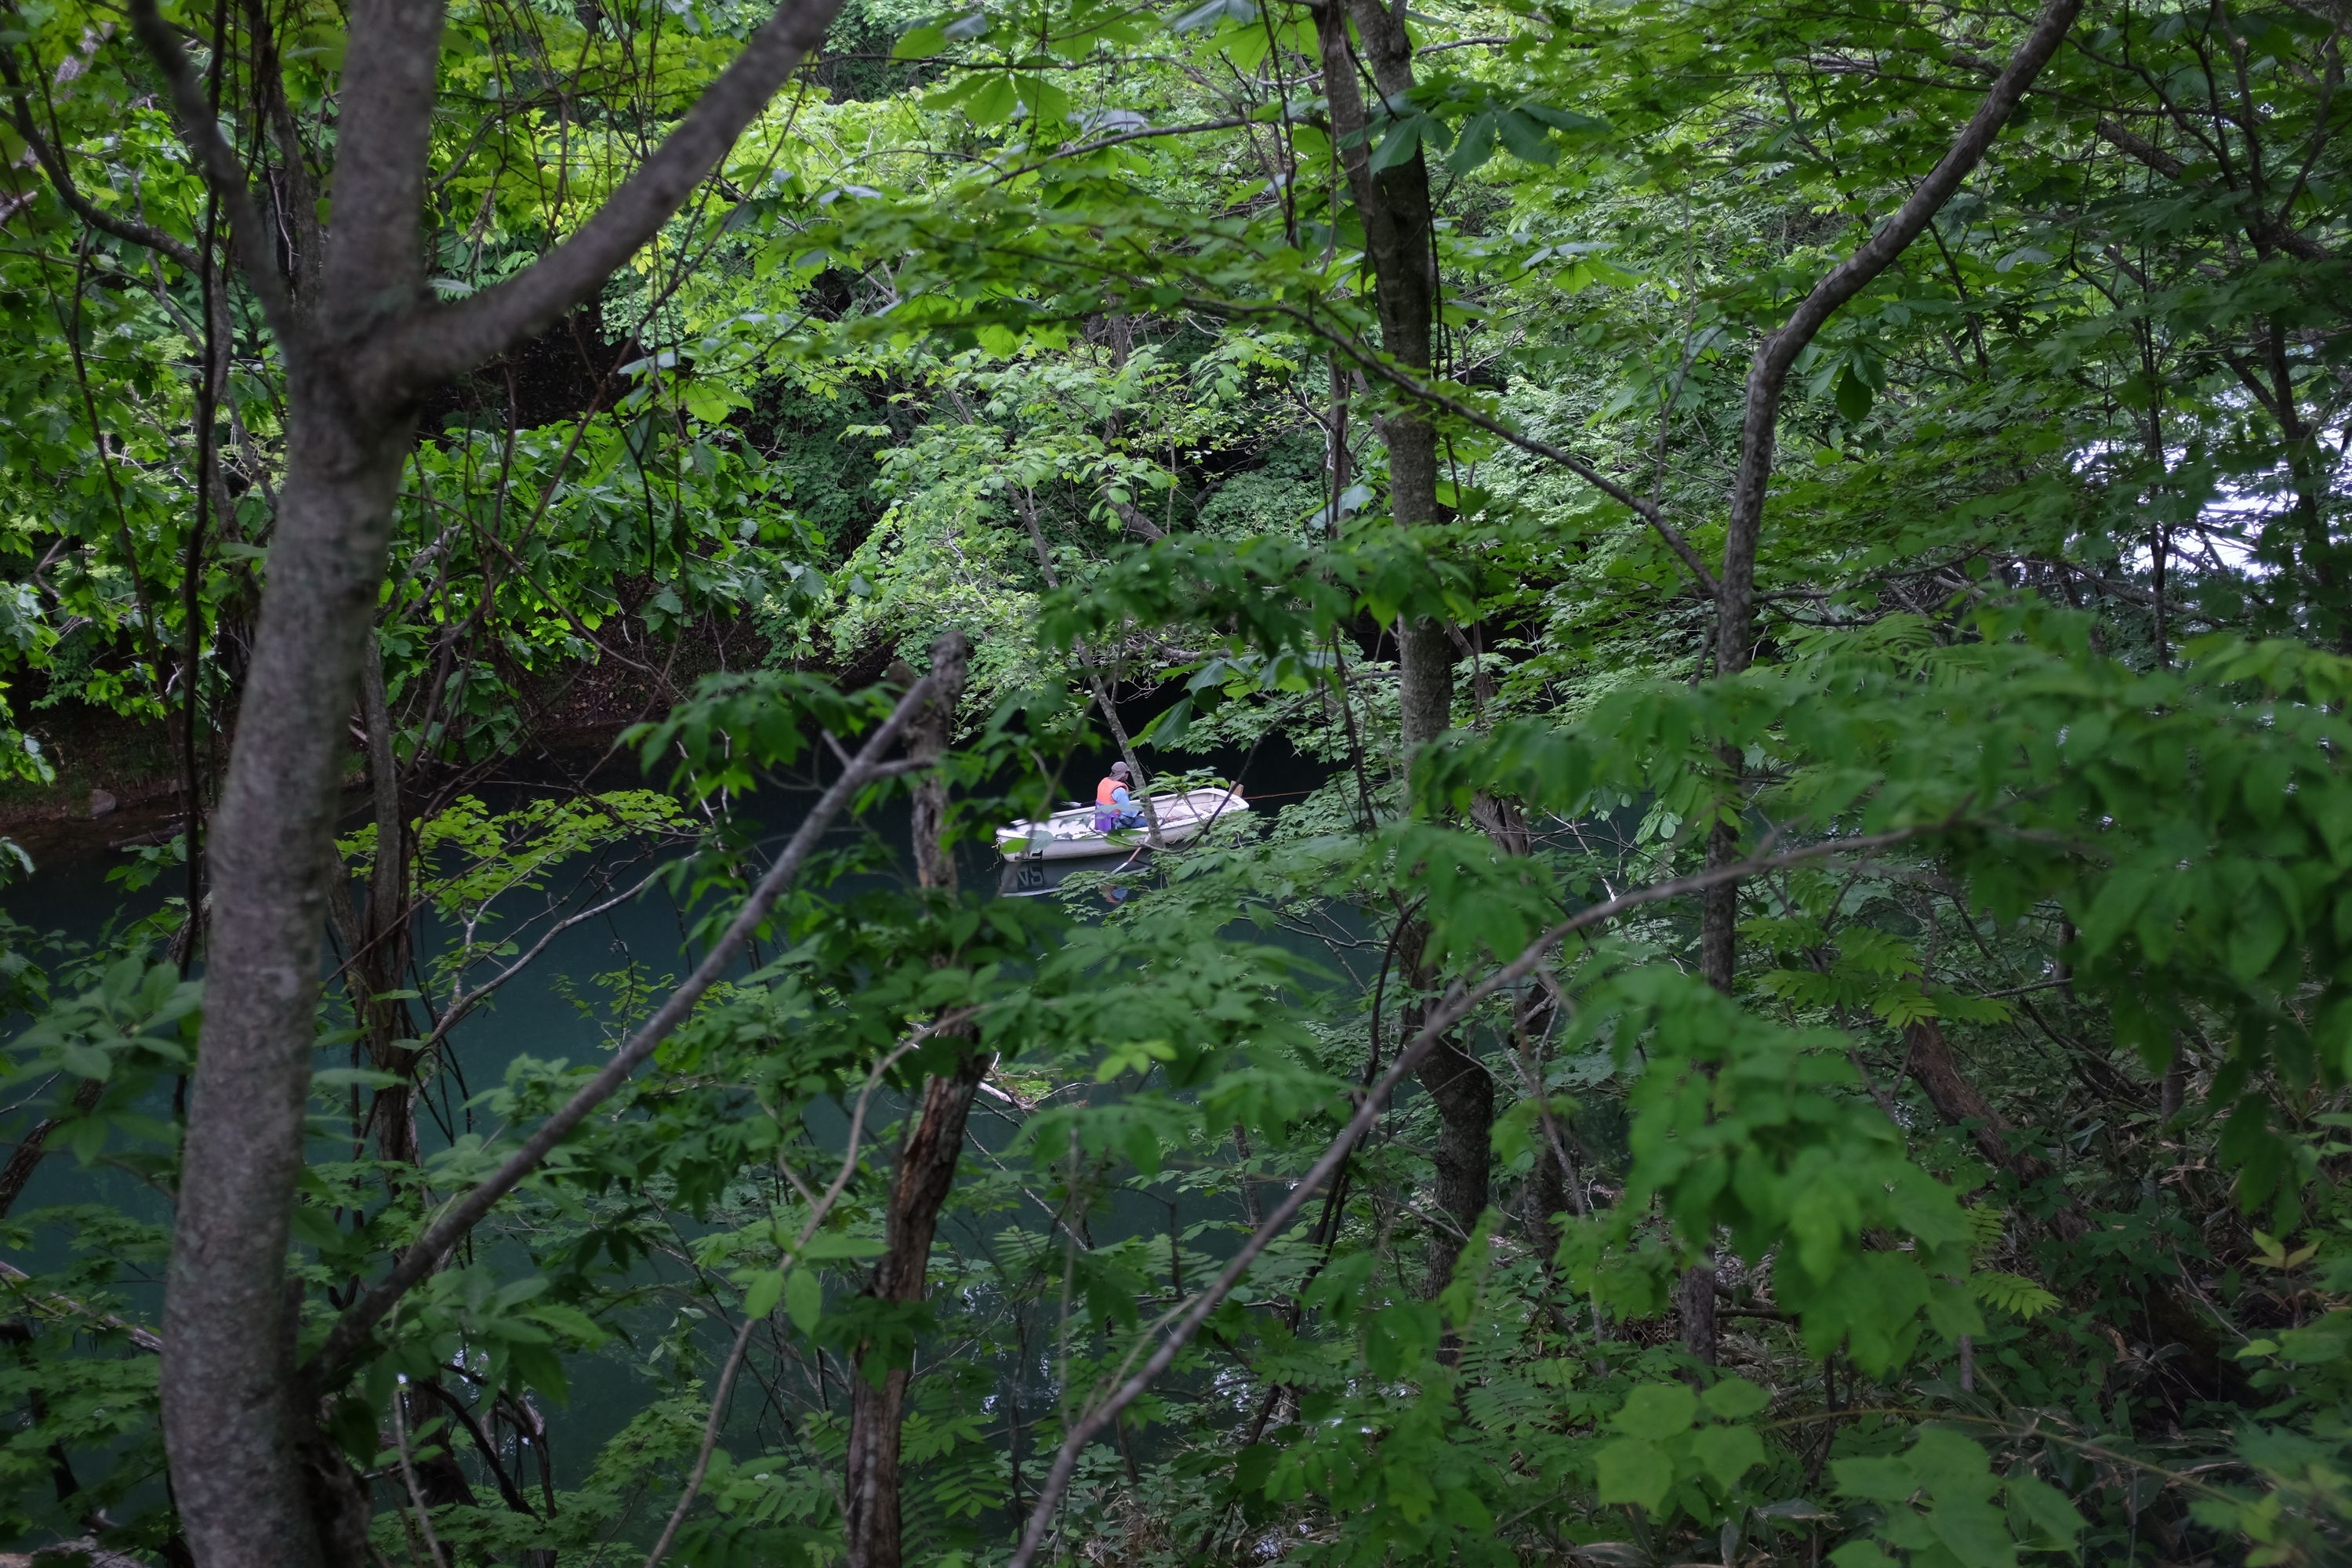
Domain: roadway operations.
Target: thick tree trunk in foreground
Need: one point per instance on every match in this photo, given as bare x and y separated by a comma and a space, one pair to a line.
254, 1483
231, 1396
925, 1175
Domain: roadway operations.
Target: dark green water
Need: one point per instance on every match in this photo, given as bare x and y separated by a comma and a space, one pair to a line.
550, 1011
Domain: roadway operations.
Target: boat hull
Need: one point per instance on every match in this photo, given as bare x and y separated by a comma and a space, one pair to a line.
1071, 836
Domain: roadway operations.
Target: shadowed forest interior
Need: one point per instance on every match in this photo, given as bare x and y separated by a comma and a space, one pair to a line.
1542, 782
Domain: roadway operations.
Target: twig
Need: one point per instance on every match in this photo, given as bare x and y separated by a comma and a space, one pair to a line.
1457, 1005
408, 1473
816, 1217
147, 1340
249, 236
461, 1216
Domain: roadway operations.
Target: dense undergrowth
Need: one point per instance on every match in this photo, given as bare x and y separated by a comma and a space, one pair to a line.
1866, 1062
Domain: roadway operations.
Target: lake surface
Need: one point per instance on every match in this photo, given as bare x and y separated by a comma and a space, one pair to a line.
551, 1010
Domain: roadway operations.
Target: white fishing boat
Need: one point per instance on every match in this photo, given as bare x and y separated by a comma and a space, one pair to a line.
1070, 835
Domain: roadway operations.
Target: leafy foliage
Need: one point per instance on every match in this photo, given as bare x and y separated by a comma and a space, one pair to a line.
2011, 1159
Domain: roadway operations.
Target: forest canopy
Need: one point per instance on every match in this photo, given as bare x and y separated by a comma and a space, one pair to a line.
1753, 589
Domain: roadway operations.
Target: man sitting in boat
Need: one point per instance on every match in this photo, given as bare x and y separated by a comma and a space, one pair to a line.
1114, 808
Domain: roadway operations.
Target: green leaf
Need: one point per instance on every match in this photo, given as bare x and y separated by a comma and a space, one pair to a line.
1402, 142
921, 43
2052, 1523
85, 1061
1476, 145
1734, 1399
993, 102
1974, 1531
1727, 1453
349, 1077
1951, 1464
1657, 1410
1215, 12
1631, 1470
766, 1289
1883, 1481
804, 1300
1853, 396
2011, 1293
1525, 137
1567, 120
1141, 1147
1862, 1554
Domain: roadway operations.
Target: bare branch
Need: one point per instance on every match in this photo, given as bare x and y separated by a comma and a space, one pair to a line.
15, 1278
817, 1211
464, 1004
419, 1260
1458, 1004
436, 342
439, 1558
1080, 148
225, 177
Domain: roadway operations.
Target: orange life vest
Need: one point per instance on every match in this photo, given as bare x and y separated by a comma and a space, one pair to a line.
1108, 788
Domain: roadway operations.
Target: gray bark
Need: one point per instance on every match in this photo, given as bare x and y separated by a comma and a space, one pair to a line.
254, 1483
231, 1419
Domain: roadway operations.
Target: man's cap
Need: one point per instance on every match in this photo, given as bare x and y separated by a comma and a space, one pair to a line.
1118, 770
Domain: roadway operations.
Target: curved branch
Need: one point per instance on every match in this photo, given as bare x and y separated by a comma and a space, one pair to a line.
436, 342
61, 179
225, 177
354, 1327
1769, 374
1457, 1004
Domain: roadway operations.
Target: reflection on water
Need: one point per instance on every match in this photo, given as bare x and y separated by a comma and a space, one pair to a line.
1112, 877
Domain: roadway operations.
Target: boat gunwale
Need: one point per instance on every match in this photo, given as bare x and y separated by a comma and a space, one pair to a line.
1015, 840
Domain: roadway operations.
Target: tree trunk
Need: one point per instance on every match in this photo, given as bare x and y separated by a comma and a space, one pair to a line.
1463, 1092
926, 1175
230, 1394
362, 341
1400, 241
1930, 1060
